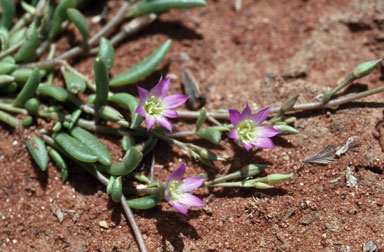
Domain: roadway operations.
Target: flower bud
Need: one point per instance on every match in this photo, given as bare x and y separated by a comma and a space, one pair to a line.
277, 178
261, 185
140, 177
365, 68
290, 120
110, 113
286, 129
288, 104
252, 170
207, 154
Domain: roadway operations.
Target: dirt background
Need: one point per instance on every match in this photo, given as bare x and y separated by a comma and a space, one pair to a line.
263, 53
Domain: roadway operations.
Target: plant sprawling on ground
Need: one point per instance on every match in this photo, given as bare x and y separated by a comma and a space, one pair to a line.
28, 64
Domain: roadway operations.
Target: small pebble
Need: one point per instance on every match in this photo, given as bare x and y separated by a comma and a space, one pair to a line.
369, 247
103, 224
351, 180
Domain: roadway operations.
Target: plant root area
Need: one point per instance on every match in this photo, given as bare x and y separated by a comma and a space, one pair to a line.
263, 52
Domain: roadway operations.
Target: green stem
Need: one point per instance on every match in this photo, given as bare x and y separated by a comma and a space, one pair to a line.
247, 171
349, 79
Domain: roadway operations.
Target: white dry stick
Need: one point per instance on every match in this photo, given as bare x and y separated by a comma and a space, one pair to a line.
238, 5
345, 147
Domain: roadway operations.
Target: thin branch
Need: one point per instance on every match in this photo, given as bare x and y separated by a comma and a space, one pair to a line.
152, 170
104, 180
116, 20
298, 107
129, 29
133, 224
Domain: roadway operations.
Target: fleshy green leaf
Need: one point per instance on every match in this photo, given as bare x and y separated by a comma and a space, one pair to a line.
60, 162
102, 82
130, 102
106, 53
201, 119
9, 11
29, 88
130, 162
59, 16
154, 6
144, 203
81, 24
127, 142
117, 190
55, 92
110, 184
93, 143
28, 49
74, 83
211, 134
143, 68
38, 151
75, 148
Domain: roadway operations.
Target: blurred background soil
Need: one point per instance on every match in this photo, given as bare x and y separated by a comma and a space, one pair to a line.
263, 53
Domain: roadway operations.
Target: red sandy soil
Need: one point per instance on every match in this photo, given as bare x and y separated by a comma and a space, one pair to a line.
263, 53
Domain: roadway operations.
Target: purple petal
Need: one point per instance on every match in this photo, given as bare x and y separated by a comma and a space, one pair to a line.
169, 113
191, 184
246, 113
150, 121
179, 207
247, 145
175, 100
166, 192
165, 123
140, 110
260, 116
234, 116
191, 200
162, 87
176, 174
264, 142
143, 94
267, 131
234, 135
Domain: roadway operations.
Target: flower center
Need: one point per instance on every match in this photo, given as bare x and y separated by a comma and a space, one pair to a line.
174, 190
153, 106
247, 131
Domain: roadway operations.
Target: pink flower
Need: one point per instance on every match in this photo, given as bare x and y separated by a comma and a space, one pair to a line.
156, 106
248, 129
177, 191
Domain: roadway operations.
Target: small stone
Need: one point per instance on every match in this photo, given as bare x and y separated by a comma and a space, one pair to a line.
306, 219
369, 247
58, 213
350, 179
208, 210
333, 226
103, 224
